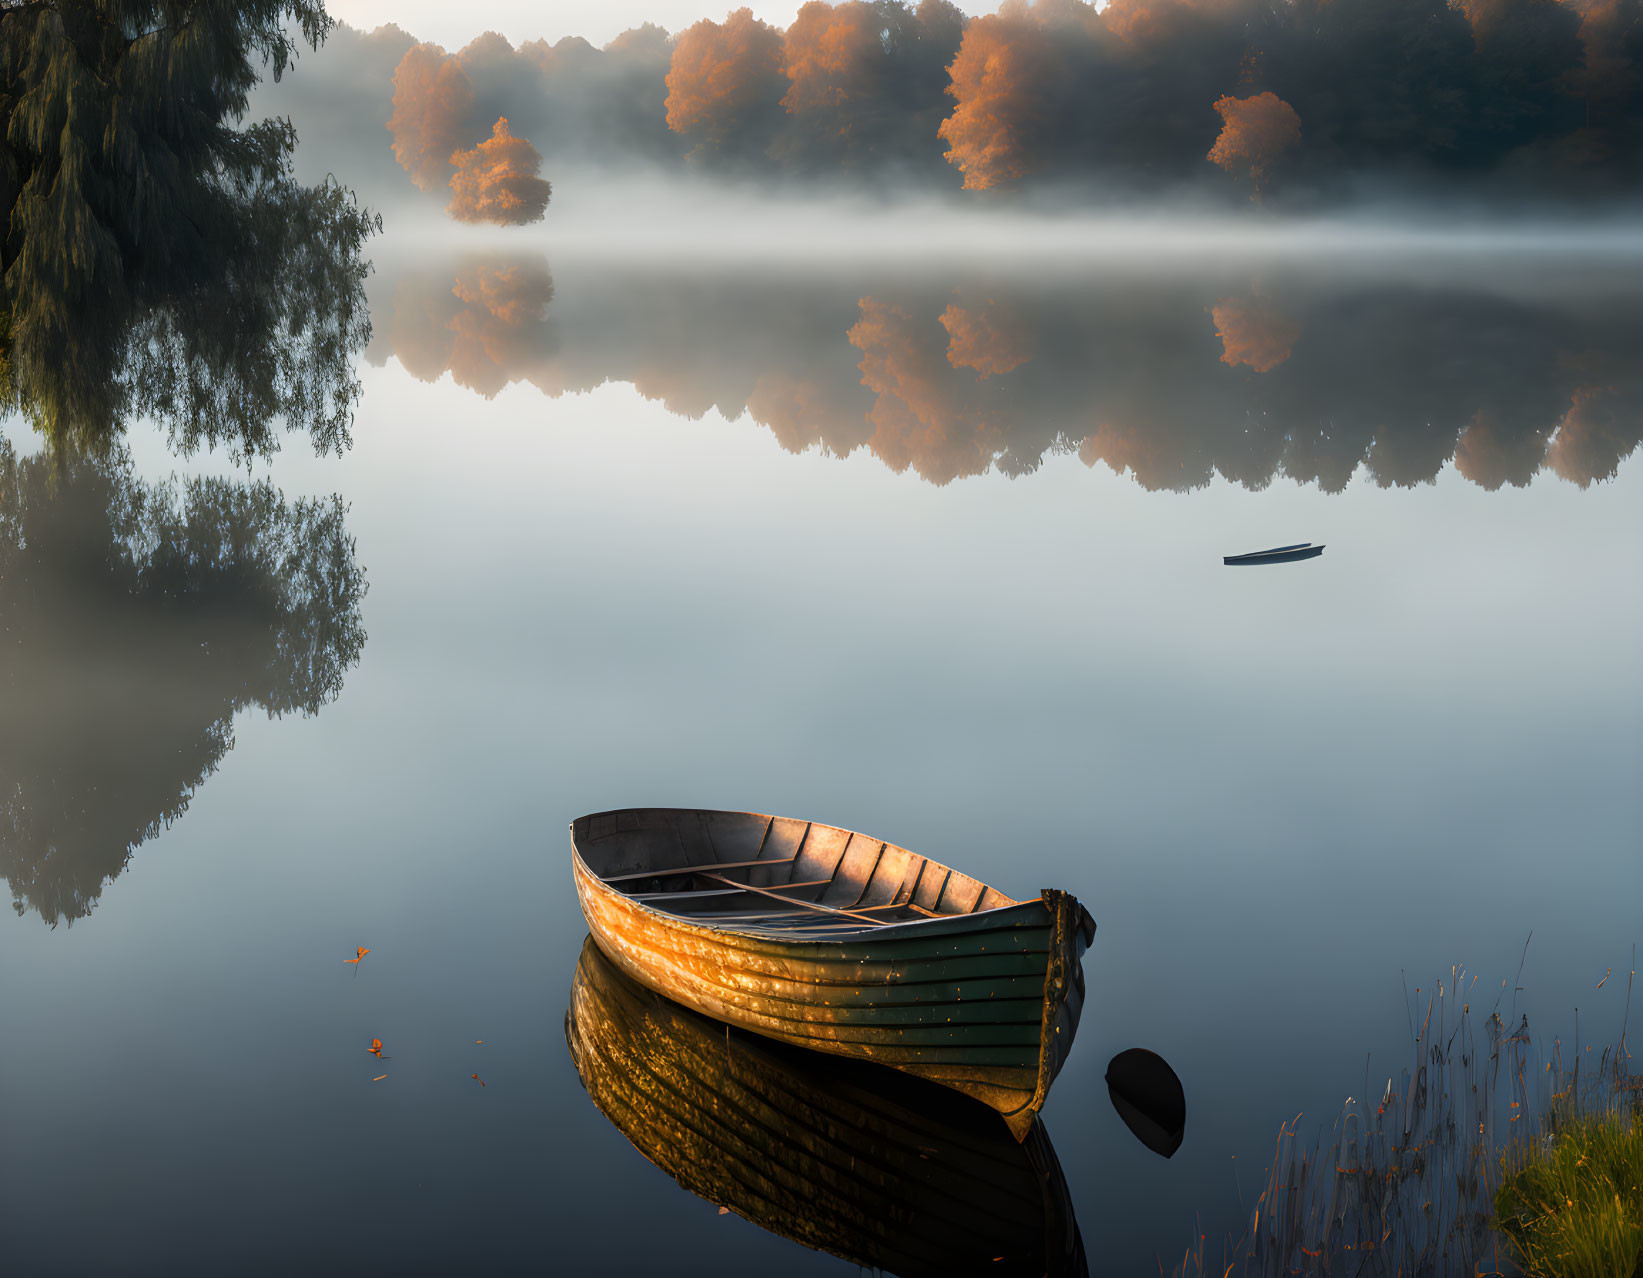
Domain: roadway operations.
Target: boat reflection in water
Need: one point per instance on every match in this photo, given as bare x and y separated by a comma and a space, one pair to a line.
883, 1170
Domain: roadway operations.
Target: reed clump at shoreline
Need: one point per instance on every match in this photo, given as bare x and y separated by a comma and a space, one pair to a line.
1571, 1204
1410, 1182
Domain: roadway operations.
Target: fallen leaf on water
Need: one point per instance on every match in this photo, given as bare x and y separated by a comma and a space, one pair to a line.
379, 1078
362, 953
724, 1211
375, 1048
478, 1041
477, 1079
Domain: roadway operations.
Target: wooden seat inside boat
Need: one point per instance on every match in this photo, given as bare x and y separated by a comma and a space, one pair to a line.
749, 872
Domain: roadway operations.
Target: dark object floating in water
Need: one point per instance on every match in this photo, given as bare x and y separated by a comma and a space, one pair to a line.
1277, 555
841, 943
889, 1172
1148, 1097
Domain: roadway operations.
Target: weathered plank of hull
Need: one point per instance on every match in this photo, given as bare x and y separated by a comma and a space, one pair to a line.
884, 1171
986, 1003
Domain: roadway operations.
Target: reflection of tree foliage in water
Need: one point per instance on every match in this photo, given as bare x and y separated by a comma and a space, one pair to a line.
484, 320
135, 621
1173, 382
156, 260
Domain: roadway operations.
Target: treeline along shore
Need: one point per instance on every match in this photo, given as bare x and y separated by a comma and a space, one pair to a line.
1255, 98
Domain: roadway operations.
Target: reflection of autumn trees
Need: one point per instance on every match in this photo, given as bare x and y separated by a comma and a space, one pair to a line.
925, 413
1170, 383
483, 320
1253, 333
135, 622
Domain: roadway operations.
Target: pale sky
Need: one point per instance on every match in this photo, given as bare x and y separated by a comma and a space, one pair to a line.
453, 25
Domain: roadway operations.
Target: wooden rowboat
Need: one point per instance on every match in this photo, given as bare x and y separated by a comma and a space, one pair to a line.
885, 1171
834, 941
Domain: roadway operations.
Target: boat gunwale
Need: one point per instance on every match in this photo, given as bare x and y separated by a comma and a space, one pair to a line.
885, 931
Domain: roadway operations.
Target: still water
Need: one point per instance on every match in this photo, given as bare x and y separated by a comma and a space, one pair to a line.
932, 553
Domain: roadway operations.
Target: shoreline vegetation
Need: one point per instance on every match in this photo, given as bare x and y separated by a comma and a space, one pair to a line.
1486, 1159
1235, 100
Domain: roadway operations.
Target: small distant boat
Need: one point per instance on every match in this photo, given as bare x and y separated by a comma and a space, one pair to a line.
888, 1172
841, 943
1277, 555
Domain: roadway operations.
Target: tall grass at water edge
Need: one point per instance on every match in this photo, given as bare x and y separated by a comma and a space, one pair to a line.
1407, 1185
1574, 1208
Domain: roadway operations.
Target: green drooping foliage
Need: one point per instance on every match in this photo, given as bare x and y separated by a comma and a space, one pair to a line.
156, 258
136, 621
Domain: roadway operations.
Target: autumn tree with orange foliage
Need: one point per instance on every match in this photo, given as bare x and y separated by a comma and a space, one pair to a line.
497, 181
433, 114
722, 78
867, 83
1004, 81
830, 55
1257, 131
1610, 85
1526, 56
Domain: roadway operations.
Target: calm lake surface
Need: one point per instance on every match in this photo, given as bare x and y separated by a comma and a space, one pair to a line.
929, 551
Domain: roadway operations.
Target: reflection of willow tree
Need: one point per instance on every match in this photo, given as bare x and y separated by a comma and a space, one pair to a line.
135, 622
156, 260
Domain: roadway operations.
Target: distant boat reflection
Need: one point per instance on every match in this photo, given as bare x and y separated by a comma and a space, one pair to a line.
1172, 381
882, 1170
136, 620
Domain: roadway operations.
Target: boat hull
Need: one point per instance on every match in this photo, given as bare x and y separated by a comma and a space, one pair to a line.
986, 1003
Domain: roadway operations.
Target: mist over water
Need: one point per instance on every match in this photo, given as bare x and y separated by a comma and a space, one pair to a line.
924, 543
825, 451
683, 220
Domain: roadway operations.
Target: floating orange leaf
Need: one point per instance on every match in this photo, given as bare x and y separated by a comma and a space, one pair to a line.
362, 953
477, 1079
375, 1048
379, 1078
